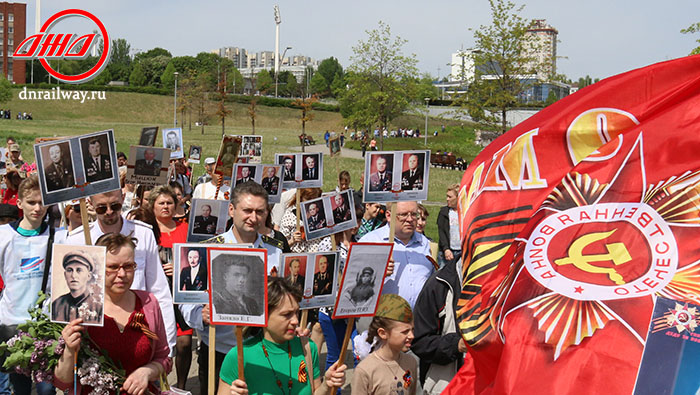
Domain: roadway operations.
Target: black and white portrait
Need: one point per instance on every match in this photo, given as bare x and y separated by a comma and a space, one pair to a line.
195, 154
190, 276
238, 286
362, 281
148, 136
58, 166
172, 140
97, 162
207, 218
77, 283
147, 166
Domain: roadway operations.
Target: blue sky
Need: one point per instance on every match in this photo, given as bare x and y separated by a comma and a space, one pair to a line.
599, 38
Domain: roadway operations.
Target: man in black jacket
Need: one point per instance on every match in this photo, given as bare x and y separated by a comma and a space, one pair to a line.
438, 342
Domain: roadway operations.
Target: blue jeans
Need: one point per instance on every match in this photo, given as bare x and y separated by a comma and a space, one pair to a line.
334, 332
22, 385
5, 384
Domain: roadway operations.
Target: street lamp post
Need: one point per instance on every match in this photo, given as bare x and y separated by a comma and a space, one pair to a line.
277, 61
175, 103
427, 101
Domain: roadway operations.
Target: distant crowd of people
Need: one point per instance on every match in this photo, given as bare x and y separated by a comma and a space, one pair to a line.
7, 114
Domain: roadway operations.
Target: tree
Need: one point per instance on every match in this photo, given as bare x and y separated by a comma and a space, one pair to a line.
551, 98
167, 79
328, 70
5, 90
137, 77
221, 111
292, 86
264, 81
381, 78
306, 106
503, 53
152, 53
694, 28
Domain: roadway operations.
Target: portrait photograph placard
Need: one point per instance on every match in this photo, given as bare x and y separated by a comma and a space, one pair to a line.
334, 146
363, 279
238, 286
301, 170
190, 277
208, 218
172, 140
148, 136
269, 176
329, 214
251, 148
392, 176
147, 166
77, 282
195, 154
228, 155
316, 274
77, 167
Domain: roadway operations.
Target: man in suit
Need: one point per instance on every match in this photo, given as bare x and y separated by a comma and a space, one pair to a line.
288, 172
311, 171
194, 276
173, 142
323, 280
271, 181
59, 174
246, 175
412, 179
315, 219
205, 223
381, 179
294, 276
97, 166
341, 212
147, 166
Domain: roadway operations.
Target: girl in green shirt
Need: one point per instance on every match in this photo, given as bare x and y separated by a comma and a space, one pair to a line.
273, 356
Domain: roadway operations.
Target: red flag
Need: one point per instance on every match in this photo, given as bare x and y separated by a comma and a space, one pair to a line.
572, 223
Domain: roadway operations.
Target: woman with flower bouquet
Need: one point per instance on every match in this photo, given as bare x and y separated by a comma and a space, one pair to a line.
133, 334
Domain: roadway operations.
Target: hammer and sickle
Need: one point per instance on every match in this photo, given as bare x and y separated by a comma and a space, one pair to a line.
617, 253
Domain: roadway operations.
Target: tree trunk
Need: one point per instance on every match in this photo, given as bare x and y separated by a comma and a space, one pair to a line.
504, 124
303, 135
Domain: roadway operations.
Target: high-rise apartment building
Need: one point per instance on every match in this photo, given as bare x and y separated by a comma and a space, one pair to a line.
13, 30
544, 51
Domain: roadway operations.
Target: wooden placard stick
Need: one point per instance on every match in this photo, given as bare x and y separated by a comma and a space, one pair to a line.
304, 319
239, 344
86, 224
392, 222
298, 199
212, 359
344, 348
334, 243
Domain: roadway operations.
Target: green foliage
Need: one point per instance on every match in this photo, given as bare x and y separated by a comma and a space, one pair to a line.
329, 69
694, 28
319, 85
381, 81
292, 86
167, 79
152, 53
5, 90
425, 88
338, 86
104, 78
264, 82
501, 52
153, 68
551, 98
137, 77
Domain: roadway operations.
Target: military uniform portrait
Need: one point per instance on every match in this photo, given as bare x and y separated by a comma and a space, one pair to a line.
59, 171
244, 174
205, 222
323, 274
381, 172
341, 208
270, 181
77, 284
315, 215
97, 162
412, 175
146, 163
238, 285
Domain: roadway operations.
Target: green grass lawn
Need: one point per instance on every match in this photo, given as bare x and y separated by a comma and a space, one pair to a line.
127, 113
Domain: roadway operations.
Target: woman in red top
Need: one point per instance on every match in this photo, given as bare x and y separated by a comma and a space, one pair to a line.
133, 333
12, 181
162, 202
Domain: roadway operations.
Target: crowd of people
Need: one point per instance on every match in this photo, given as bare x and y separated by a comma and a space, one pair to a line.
7, 114
412, 342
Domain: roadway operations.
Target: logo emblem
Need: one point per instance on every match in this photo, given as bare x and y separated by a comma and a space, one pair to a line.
45, 46
602, 252
30, 264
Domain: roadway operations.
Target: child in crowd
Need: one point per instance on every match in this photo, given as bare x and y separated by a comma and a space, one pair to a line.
388, 370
